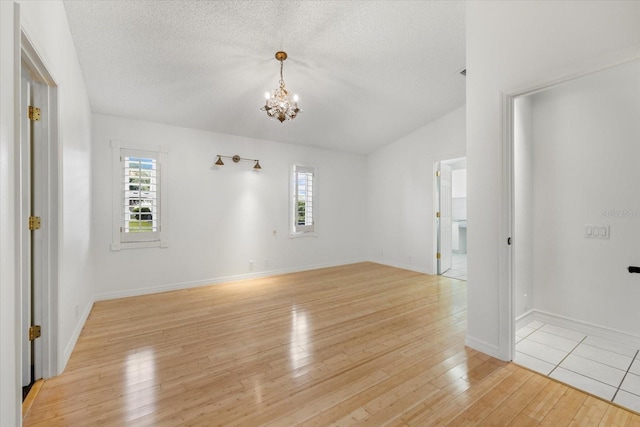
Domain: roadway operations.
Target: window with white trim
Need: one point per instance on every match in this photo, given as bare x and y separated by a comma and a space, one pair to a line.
138, 198
303, 200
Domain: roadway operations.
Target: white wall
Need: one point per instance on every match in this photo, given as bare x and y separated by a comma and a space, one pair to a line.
220, 217
523, 234
586, 150
45, 25
400, 193
9, 346
512, 47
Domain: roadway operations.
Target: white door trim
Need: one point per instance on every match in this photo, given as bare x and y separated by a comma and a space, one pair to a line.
47, 179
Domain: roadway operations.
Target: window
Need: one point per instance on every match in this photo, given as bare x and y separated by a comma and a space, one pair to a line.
138, 198
140, 190
303, 200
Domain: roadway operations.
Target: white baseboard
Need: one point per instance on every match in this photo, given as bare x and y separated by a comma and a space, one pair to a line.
213, 281
525, 319
62, 362
578, 326
483, 347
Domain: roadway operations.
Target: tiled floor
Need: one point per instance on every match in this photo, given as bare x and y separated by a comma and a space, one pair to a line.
458, 268
607, 369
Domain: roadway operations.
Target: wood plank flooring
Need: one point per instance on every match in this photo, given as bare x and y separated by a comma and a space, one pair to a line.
361, 344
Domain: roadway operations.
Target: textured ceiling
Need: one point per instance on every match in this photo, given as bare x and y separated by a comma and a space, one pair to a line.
366, 72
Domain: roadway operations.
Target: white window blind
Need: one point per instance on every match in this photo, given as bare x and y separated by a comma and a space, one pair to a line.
140, 213
303, 196
138, 197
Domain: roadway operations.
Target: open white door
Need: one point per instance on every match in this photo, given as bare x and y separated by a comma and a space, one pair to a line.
25, 235
33, 211
444, 217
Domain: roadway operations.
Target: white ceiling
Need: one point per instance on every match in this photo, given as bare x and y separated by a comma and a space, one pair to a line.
366, 72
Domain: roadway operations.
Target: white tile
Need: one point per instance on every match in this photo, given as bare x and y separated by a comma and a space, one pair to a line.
541, 351
618, 347
635, 368
455, 274
628, 400
563, 332
607, 357
595, 370
535, 324
584, 383
533, 363
524, 331
552, 340
631, 383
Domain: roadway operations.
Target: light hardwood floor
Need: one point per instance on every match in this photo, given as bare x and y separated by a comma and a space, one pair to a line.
358, 344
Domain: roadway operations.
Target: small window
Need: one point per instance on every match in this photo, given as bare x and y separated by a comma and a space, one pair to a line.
303, 199
138, 198
140, 213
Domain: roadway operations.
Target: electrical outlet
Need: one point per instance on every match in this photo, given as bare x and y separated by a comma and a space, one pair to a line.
250, 265
77, 311
266, 263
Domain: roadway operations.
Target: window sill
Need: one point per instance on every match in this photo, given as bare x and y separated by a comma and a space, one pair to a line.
138, 245
303, 234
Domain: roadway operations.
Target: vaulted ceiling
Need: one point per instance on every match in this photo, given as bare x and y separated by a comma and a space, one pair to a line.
366, 72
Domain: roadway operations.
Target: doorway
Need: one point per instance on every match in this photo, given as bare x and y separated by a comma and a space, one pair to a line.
451, 218
575, 232
37, 192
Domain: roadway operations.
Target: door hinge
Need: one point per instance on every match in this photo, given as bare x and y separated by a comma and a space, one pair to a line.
34, 113
437, 173
34, 223
437, 214
438, 255
35, 331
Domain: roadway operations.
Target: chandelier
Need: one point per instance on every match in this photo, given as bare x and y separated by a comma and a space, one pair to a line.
280, 103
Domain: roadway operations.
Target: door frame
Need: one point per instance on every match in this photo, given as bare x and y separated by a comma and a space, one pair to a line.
506, 288
48, 182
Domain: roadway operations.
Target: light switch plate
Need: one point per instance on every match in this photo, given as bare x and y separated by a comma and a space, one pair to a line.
592, 231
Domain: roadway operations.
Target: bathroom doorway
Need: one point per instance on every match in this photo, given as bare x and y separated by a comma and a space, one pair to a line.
451, 218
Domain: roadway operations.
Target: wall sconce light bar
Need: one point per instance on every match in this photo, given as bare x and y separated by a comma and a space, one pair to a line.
237, 159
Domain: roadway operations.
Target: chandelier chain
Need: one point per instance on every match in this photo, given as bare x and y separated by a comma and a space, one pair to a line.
281, 77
